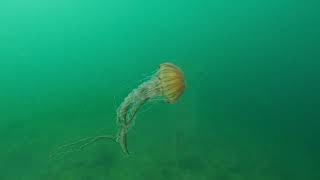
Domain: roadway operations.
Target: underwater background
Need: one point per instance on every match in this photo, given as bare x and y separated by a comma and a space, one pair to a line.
250, 111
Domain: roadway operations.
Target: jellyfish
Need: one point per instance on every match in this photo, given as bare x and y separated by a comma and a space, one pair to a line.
166, 84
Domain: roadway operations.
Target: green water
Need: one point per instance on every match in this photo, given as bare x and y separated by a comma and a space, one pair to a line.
250, 110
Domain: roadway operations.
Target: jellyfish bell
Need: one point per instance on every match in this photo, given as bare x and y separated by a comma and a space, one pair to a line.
167, 84
172, 83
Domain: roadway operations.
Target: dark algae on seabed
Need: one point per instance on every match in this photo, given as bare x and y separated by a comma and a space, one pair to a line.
166, 84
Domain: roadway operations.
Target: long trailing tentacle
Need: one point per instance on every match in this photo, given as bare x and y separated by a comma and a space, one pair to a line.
126, 114
78, 145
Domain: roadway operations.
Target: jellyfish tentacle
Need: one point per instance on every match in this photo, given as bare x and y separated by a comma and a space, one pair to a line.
78, 145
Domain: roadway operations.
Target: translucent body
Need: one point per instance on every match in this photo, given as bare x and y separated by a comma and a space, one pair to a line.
166, 84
